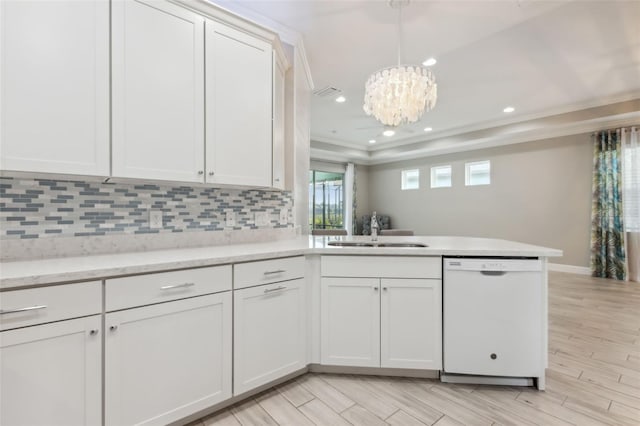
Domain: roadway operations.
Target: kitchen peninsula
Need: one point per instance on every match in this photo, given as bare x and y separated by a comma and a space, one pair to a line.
298, 305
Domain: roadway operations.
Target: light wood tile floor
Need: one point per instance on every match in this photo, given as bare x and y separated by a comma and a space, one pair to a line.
593, 378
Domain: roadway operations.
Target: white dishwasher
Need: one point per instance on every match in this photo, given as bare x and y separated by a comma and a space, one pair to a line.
493, 319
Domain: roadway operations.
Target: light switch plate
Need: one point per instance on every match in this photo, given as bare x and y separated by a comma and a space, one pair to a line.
230, 219
155, 219
284, 216
261, 219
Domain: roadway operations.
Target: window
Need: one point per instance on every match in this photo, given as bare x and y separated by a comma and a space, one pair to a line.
441, 176
326, 200
411, 179
478, 173
631, 184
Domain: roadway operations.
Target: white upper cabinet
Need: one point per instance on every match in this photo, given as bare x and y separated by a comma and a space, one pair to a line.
239, 107
158, 91
278, 123
55, 86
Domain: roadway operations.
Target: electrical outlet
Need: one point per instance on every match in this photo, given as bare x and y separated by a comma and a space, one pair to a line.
155, 219
284, 216
261, 219
230, 219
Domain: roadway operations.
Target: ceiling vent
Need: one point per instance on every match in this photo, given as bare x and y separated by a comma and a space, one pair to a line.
327, 92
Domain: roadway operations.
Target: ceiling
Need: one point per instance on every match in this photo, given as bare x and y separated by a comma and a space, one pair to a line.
540, 57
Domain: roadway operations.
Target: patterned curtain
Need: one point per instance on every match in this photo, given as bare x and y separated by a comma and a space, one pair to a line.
607, 229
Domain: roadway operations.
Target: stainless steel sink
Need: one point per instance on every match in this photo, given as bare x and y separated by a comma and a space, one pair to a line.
401, 245
373, 244
350, 244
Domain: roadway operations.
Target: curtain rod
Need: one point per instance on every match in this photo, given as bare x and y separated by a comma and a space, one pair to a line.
616, 129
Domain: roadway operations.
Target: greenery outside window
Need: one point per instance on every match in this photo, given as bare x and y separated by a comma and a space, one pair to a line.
326, 200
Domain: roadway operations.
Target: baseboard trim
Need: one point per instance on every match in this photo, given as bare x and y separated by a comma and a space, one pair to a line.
375, 371
558, 267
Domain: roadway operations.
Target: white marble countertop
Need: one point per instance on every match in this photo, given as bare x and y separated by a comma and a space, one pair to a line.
84, 268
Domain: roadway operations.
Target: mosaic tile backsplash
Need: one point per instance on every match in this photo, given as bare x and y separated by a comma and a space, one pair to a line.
41, 208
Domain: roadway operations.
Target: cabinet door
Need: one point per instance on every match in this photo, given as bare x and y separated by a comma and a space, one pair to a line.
269, 333
350, 321
55, 86
166, 361
51, 374
278, 124
411, 324
239, 102
158, 91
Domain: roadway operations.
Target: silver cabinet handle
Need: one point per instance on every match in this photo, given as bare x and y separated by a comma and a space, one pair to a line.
113, 328
171, 287
271, 290
28, 308
375, 288
93, 332
385, 289
211, 173
200, 172
278, 271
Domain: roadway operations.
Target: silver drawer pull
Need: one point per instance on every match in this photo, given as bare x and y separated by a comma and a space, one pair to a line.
171, 287
279, 271
270, 290
28, 308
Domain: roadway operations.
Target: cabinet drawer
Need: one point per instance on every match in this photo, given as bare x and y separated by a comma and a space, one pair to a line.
128, 292
268, 271
20, 308
381, 266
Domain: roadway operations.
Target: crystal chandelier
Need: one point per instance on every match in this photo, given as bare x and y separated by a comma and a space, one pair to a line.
399, 95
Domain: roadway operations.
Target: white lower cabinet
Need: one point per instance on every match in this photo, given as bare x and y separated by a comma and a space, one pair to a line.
269, 333
411, 324
350, 329
166, 361
381, 321
51, 374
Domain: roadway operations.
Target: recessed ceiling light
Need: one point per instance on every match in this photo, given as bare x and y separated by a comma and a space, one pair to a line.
389, 132
428, 129
509, 109
429, 62
341, 99
372, 141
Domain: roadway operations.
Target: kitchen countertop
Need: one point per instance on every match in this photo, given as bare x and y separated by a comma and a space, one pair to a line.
85, 268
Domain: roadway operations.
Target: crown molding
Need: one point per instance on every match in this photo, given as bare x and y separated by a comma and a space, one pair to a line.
468, 141
301, 52
284, 33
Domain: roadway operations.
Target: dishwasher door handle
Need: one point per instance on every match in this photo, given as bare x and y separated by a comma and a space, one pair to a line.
493, 273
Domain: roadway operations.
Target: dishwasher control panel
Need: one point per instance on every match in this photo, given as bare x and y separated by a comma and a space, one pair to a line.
503, 265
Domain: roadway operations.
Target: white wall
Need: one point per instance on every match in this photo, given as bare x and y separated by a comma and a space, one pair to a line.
540, 193
302, 140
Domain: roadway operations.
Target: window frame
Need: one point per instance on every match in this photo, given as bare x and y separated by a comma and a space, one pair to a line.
467, 172
312, 182
433, 176
404, 180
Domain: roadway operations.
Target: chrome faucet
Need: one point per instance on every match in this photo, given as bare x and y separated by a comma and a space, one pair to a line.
374, 227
